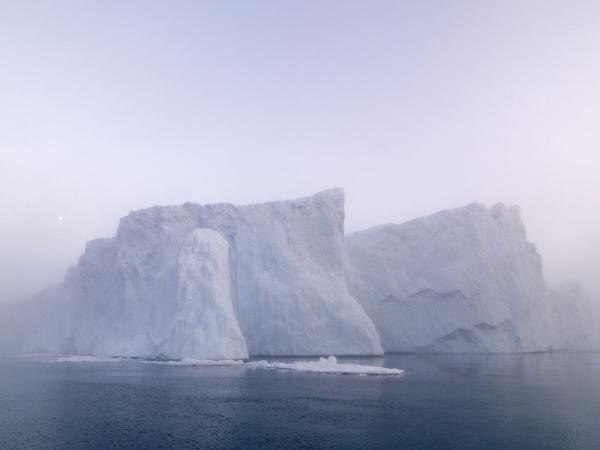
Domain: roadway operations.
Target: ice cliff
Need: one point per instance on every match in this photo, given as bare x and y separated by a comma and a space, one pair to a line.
463, 280
211, 282
205, 322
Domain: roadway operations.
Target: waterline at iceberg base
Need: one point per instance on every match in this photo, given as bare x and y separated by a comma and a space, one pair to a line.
330, 365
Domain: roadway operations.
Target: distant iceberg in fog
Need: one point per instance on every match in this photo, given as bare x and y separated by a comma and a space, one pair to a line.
222, 282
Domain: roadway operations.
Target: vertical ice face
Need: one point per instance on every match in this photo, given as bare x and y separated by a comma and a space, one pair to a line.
291, 293
464, 280
205, 326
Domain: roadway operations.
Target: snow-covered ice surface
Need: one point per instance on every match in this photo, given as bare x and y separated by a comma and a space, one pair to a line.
325, 365
159, 289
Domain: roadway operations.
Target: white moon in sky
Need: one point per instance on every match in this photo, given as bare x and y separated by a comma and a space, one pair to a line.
60, 218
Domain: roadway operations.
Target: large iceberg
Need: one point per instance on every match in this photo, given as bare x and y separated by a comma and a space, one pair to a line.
223, 282
209, 282
462, 280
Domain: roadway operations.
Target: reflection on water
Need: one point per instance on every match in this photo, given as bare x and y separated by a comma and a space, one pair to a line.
545, 401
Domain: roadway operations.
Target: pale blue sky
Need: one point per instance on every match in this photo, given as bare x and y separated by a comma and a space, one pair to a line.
412, 107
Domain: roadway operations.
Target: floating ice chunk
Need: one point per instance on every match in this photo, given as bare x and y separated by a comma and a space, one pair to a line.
326, 365
199, 362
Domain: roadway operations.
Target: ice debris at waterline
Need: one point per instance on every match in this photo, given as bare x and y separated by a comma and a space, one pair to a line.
85, 359
323, 365
225, 282
179, 362
326, 365
191, 362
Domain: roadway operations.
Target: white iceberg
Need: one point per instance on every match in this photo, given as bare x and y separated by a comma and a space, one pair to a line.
206, 282
463, 280
223, 282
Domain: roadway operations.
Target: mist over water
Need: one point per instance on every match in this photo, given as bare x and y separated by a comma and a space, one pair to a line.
412, 107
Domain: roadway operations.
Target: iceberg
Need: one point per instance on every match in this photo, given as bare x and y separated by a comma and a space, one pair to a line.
216, 284
208, 282
462, 280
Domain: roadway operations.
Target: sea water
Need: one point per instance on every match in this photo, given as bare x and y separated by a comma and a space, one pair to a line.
529, 401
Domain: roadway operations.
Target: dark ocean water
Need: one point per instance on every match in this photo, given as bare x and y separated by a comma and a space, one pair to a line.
535, 401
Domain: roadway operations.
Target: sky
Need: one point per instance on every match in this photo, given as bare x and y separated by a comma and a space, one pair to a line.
411, 106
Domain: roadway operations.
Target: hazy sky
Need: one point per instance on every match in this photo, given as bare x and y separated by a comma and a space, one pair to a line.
412, 107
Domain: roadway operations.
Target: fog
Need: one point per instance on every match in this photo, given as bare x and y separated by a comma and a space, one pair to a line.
412, 107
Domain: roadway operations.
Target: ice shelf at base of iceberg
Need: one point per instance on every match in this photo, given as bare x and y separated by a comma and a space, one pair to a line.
323, 365
85, 358
179, 362
326, 365
198, 362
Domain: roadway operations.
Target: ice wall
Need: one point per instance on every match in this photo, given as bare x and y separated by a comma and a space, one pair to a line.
463, 280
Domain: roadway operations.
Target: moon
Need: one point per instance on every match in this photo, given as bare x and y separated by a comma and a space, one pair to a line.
61, 218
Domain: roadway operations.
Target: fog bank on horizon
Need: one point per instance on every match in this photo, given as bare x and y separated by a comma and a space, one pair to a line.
411, 107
